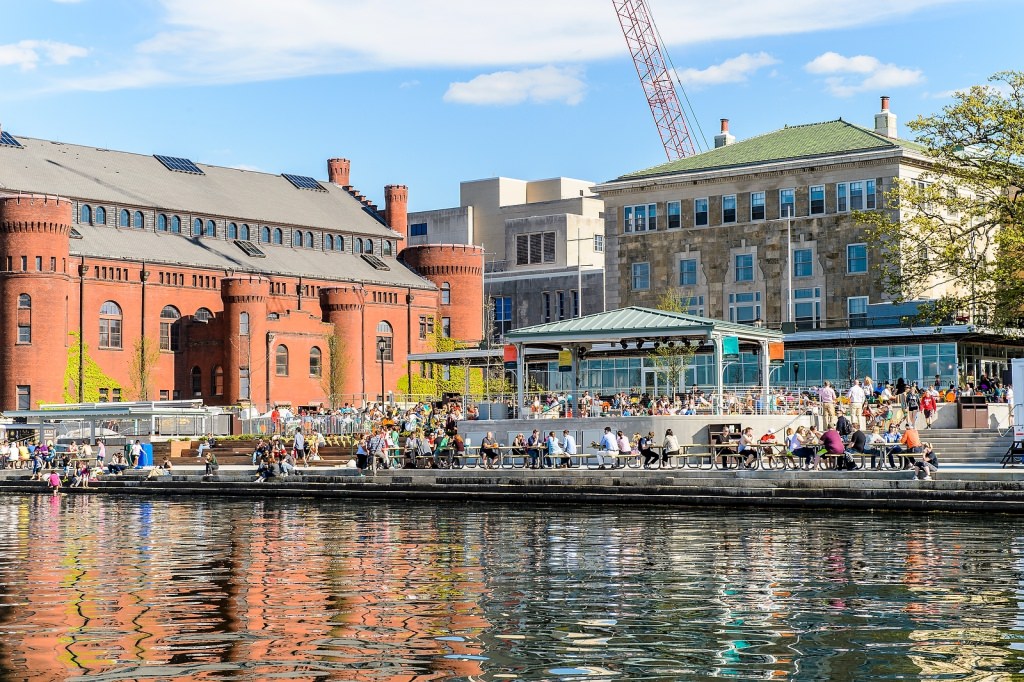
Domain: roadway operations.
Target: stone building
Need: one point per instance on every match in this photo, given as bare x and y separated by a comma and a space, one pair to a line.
237, 279
760, 231
544, 242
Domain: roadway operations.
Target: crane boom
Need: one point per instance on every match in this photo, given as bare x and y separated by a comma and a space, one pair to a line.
649, 59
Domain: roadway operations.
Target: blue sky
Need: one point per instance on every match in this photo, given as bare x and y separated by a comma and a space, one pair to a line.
431, 92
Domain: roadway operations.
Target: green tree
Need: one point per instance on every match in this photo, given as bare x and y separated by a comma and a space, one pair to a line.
434, 384
93, 378
145, 355
671, 360
955, 234
334, 371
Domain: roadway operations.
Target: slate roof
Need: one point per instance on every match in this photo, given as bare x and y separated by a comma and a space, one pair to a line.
634, 321
136, 180
177, 250
792, 142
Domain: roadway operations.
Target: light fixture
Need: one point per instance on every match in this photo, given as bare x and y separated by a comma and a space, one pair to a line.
623, 344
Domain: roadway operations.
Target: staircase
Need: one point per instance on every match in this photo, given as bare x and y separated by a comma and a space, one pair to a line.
967, 446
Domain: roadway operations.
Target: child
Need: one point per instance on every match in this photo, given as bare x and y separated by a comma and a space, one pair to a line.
53, 481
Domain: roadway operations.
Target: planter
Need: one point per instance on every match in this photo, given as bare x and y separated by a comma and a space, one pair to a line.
180, 447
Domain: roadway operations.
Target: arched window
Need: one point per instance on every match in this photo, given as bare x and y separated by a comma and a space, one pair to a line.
197, 227
279, 236
243, 324
368, 246
232, 231
197, 382
244, 234
281, 361
308, 243
110, 325
202, 315
138, 220
387, 335
101, 215
315, 362
24, 302
328, 243
169, 317
265, 236
85, 215
339, 243
161, 223
297, 238
386, 247
446, 293
124, 219
211, 228
176, 225
217, 383
358, 248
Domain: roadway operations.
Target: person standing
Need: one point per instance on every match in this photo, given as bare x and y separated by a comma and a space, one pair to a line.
912, 400
377, 446
608, 447
827, 396
569, 449
136, 454
929, 406
299, 445
856, 396
101, 453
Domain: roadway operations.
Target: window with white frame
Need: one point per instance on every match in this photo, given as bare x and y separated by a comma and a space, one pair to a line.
869, 195
536, 248
599, 243
817, 194
745, 308
842, 198
502, 316
856, 196
641, 277
688, 272
807, 308
700, 212
857, 311
787, 202
673, 215
745, 267
757, 205
856, 259
640, 218
729, 208
803, 263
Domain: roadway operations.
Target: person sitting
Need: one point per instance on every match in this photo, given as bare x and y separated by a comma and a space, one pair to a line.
533, 448
490, 456
799, 446
211, 463
725, 448
747, 447
205, 445
118, 464
928, 465
910, 443
646, 447
843, 425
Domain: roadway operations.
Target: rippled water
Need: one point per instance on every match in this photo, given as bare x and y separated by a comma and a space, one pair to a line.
102, 588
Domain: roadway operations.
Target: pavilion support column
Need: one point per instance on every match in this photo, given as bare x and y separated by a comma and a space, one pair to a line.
766, 371
520, 379
719, 373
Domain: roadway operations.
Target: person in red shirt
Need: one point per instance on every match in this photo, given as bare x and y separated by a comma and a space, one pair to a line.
928, 406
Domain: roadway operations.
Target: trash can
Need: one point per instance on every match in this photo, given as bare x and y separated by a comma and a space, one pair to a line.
972, 412
146, 458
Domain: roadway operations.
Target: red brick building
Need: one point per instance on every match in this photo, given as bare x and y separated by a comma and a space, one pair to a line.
239, 278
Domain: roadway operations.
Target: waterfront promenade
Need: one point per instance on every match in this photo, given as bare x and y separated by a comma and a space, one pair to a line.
975, 487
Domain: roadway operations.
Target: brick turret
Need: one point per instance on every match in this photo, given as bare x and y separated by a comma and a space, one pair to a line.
342, 306
461, 268
34, 285
338, 171
245, 350
396, 208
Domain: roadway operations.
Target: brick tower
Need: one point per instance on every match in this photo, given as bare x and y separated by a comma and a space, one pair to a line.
245, 343
458, 271
343, 306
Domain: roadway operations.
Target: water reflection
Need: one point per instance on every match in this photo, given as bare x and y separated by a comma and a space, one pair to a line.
99, 588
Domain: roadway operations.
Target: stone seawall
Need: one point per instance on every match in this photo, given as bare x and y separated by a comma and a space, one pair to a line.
981, 491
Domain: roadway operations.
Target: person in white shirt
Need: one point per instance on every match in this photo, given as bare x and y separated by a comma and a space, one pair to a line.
827, 396
607, 446
856, 397
568, 448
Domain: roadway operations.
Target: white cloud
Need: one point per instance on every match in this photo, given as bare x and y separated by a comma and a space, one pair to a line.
546, 84
734, 70
228, 41
846, 76
27, 54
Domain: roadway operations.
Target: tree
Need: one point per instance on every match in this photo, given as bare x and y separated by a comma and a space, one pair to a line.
333, 373
954, 235
145, 355
671, 360
93, 378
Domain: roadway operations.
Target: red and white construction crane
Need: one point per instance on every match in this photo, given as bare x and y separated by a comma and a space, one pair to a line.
649, 58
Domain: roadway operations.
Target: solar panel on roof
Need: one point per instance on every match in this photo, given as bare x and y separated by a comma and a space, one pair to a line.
75, 234
7, 140
303, 182
377, 263
179, 164
250, 249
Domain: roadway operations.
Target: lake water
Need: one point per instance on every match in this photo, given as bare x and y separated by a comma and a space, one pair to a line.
108, 588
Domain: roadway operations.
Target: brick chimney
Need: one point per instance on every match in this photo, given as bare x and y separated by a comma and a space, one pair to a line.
885, 120
396, 208
337, 171
724, 138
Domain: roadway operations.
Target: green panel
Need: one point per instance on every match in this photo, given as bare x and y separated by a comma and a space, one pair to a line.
828, 353
881, 351
813, 354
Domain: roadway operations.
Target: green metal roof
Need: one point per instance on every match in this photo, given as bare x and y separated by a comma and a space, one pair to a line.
792, 142
635, 321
